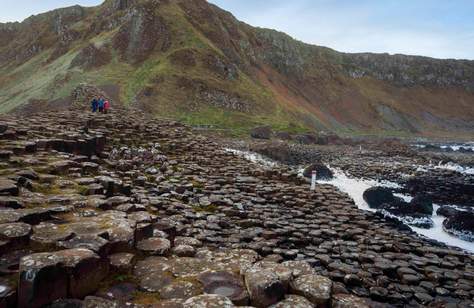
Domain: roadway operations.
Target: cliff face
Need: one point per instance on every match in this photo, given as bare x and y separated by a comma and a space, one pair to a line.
196, 62
410, 70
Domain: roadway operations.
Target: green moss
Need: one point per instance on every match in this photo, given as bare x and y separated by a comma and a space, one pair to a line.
47, 189
82, 190
146, 298
212, 208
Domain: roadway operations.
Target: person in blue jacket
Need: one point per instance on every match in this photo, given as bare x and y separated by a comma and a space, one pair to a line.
101, 104
94, 104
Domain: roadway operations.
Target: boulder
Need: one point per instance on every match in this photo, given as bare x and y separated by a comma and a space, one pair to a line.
261, 132
422, 204
265, 287
447, 211
45, 277
306, 138
322, 172
3, 127
314, 287
376, 196
461, 225
409, 213
283, 135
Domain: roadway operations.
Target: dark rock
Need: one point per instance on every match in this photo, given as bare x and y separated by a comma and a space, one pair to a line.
461, 225
66, 303
422, 204
7, 293
10, 202
306, 138
376, 196
447, 211
322, 172
262, 132
283, 135
8, 188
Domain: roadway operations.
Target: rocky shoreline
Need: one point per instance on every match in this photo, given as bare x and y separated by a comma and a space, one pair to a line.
122, 210
433, 178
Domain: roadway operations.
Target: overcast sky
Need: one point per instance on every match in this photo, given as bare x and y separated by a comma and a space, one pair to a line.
436, 28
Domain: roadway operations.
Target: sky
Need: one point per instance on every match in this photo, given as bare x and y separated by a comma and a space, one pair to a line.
435, 28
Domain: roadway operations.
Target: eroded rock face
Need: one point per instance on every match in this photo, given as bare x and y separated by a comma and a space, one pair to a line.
141, 34
91, 57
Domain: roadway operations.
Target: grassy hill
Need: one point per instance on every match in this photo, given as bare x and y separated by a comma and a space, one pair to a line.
189, 60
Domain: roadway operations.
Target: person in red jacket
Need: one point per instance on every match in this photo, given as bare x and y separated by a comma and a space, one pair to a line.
106, 106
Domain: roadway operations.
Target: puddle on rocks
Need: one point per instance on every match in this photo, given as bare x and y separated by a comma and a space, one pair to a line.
355, 188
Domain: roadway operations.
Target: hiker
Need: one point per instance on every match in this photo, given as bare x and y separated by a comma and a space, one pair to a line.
106, 106
94, 104
101, 104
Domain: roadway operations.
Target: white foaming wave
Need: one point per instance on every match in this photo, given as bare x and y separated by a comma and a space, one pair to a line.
253, 157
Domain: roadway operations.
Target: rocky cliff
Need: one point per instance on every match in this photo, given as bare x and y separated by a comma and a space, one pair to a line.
193, 61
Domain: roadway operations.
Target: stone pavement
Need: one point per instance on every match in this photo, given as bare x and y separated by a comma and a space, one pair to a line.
104, 210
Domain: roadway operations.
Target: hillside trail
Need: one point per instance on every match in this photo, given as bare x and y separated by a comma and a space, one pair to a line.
103, 209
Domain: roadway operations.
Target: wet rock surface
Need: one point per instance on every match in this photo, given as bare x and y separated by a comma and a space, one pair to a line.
117, 210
